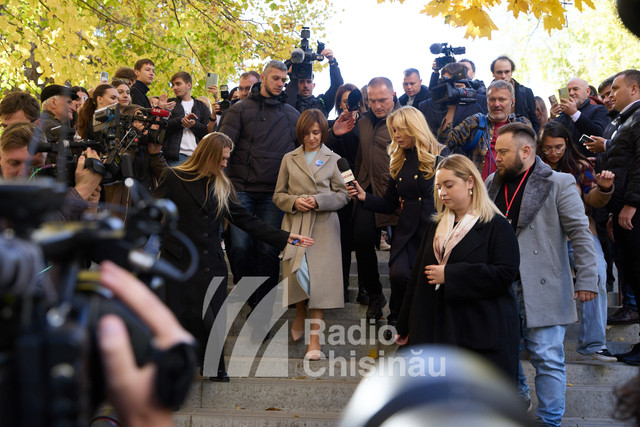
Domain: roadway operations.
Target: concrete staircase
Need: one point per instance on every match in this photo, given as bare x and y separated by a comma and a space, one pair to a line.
315, 393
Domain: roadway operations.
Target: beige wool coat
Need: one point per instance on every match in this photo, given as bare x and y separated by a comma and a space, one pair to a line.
322, 180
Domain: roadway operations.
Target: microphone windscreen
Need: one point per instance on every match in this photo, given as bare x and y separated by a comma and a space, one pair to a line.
436, 48
297, 56
353, 101
159, 112
345, 170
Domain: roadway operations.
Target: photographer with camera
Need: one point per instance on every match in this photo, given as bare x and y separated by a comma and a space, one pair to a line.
476, 136
188, 122
103, 96
14, 156
300, 88
453, 99
478, 85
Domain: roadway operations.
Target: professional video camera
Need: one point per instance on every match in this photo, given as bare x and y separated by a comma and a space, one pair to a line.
50, 367
301, 61
224, 103
448, 93
447, 51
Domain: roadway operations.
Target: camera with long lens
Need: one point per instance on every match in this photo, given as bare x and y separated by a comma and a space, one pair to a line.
301, 61
224, 102
448, 93
50, 367
447, 53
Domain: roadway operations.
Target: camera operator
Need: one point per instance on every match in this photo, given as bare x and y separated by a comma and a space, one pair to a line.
455, 111
188, 122
103, 96
56, 109
300, 91
414, 91
14, 156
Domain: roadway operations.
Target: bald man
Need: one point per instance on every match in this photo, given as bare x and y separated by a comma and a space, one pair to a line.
579, 115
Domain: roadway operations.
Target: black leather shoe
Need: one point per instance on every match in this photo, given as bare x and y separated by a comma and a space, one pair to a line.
221, 378
376, 302
624, 316
362, 298
635, 350
390, 333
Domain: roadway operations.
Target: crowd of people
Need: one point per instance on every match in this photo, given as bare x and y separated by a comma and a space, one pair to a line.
501, 216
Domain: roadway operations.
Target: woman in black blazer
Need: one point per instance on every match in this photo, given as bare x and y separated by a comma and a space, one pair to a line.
459, 292
205, 198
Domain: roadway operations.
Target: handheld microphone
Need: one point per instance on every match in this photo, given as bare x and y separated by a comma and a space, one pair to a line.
157, 112
345, 170
353, 101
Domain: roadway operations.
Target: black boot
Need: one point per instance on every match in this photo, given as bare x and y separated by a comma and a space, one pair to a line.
376, 302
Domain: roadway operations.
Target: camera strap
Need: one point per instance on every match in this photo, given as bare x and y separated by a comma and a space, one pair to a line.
482, 126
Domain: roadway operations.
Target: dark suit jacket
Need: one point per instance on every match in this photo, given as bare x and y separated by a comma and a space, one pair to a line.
199, 222
593, 120
475, 307
421, 96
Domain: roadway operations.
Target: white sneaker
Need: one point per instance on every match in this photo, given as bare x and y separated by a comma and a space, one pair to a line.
604, 356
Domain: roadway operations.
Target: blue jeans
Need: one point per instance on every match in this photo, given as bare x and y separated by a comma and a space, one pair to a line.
181, 159
547, 357
248, 256
592, 335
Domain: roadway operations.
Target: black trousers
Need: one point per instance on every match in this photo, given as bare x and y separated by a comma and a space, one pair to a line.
365, 235
628, 241
346, 241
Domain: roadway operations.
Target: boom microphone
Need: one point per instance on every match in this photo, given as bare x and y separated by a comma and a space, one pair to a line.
436, 48
345, 170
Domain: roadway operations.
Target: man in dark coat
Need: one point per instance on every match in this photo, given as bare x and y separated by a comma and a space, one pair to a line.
502, 69
623, 159
414, 91
372, 172
579, 115
300, 91
145, 71
263, 129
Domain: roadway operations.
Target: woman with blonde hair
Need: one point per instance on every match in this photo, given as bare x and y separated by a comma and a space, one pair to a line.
414, 152
460, 291
206, 198
310, 190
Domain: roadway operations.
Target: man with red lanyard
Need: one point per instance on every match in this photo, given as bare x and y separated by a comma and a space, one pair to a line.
477, 133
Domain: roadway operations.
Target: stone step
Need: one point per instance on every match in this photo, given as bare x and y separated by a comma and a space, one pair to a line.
622, 333
585, 400
594, 422
260, 394
590, 372
206, 417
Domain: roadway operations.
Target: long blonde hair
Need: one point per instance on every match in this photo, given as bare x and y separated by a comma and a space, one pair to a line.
411, 122
464, 168
205, 163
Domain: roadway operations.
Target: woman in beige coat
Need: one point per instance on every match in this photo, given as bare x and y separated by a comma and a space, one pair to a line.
310, 190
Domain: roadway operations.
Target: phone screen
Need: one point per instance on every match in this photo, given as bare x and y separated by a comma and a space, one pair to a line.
553, 100
564, 93
104, 77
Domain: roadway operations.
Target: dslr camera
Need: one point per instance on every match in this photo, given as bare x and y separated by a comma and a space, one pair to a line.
224, 102
301, 61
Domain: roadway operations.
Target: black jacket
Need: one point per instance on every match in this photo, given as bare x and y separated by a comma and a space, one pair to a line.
435, 113
199, 222
593, 120
475, 307
526, 104
173, 137
623, 159
421, 96
139, 94
263, 131
324, 102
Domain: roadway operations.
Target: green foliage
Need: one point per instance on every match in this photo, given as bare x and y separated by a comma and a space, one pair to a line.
73, 40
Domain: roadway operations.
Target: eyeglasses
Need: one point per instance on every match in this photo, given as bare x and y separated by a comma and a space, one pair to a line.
556, 150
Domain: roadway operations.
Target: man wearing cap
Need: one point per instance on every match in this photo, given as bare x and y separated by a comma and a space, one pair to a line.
56, 109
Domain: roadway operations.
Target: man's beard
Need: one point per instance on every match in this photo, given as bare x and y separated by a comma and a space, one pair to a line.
513, 171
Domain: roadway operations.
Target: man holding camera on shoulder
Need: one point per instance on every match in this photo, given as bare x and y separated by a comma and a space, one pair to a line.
188, 122
300, 90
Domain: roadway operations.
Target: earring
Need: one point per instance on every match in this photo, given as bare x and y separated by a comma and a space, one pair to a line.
471, 192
